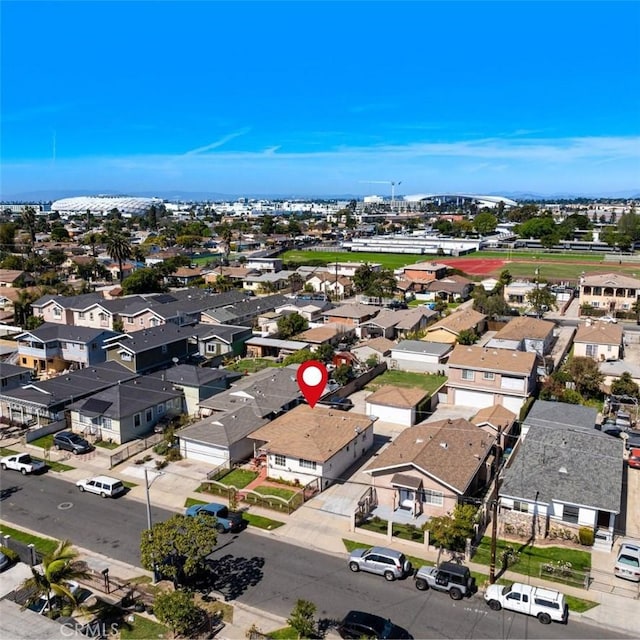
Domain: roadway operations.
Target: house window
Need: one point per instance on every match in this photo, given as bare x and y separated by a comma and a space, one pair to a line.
467, 374
160, 409
149, 415
279, 460
433, 497
595, 304
130, 320
488, 375
591, 350
520, 506
309, 464
91, 316
127, 357
81, 315
106, 423
136, 420
57, 313
164, 348
142, 322
609, 348
570, 514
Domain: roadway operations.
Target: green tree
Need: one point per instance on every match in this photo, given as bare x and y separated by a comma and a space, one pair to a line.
291, 325
505, 278
296, 282
541, 299
267, 225
179, 546
152, 217
225, 232
343, 374
119, 249
7, 236
625, 386
92, 239
59, 233
29, 222
485, 223
302, 619
452, 530
177, 610
468, 336
586, 376
537, 227
56, 571
299, 357
324, 352
146, 280
376, 284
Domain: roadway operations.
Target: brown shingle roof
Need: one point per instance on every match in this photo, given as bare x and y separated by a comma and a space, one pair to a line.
356, 310
523, 327
400, 397
321, 334
501, 360
599, 333
449, 284
459, 321
496, 416
383, 345
450, 450
313, 434
611, 280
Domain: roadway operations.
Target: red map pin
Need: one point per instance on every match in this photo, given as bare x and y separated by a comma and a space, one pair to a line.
312, 380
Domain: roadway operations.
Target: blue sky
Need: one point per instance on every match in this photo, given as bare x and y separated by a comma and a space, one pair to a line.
305, 98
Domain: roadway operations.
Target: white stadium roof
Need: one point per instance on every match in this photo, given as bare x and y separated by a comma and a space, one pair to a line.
105, 204
466, 196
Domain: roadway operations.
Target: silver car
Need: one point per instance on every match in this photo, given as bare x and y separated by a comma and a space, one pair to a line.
628, 562
385, 562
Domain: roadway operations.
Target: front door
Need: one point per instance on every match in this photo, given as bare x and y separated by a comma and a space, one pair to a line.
407, 497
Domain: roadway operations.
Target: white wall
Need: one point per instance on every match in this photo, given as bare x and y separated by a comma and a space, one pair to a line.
404, 417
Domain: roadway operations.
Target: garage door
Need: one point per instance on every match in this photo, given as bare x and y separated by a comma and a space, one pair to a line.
512, 403
202, 452
473, 398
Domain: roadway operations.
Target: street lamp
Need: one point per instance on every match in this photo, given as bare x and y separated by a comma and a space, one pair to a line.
147, 485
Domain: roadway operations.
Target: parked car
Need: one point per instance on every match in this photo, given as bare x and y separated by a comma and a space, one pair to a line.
456, 579
341, 404
69, 441
104, 486
226, 520
545, 604
634, 459
623, 420
23, 463
5, 562
43, 606
385, 562
628, 562
609, 319
632, 440
359, 624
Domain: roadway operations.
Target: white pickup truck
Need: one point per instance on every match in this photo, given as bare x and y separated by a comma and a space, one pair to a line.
22, 462
544, 604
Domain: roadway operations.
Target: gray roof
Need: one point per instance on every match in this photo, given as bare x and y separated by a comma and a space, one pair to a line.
226, 332
544, 413
190, 375
146, 339
252, 306
53, 331
80, 302
268, 390
125, 399
9, 370
573, 465
292, 345
423, 347
76, 384
226, 428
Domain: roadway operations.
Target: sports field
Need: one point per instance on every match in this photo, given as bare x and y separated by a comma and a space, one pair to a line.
568, 266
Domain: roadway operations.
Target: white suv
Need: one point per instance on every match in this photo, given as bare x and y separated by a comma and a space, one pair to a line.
104, 486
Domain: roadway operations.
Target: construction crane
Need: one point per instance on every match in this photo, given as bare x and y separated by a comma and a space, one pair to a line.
393, 184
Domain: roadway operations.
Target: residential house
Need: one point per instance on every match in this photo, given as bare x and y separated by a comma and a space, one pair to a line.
197, 383
310, 310
126, 411
44, 401
16, 278
480, 377
332, 334
516, 292
452, 288
351, 315
378, 348
267, 281
430, 468
318, 444
221, 439
12, 376
51, 348
560, 415
216, 342
9, 296
423, 272
396, 323
498, 420
272, 265
562, 478
598, 340
244, 312
116, 274
268, 322
185, 277
151, 349
69, 309
381, 326
399, 405
449, 328
258, 347
610, 291
420, 356
235, 274
349, 268
413, 320
525, 334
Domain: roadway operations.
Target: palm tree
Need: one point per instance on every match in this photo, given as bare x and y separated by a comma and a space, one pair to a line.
29, 222
119, 249
59, 568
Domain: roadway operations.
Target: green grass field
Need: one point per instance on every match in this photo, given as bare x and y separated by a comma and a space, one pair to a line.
427, 381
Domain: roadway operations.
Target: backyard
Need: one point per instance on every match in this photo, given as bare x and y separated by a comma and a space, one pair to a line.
427, 381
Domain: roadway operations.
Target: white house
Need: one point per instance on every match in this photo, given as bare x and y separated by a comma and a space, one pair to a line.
399, 405
420, 355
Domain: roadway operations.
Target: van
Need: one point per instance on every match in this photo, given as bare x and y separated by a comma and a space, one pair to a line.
104, 486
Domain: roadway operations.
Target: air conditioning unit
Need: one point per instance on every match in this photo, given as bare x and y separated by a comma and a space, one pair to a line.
393, 364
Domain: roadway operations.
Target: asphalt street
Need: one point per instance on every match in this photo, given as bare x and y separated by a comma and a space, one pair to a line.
262, 571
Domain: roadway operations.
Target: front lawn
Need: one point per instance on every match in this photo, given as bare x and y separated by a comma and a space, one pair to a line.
143, 629
239, 478
105, 444
261, 522
44, 442
58, 466
42, 545
285, 494
427, 381
403, 531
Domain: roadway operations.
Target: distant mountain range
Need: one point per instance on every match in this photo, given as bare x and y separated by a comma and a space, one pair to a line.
47, 195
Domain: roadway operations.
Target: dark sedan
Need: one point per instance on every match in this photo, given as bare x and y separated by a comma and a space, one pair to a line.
69, 441
359, 624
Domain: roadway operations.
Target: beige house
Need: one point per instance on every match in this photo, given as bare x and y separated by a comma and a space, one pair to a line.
399, 405
429, 468
480, 377
497, 419
308, 444
600, 341
610, 291
448, 329
327, 334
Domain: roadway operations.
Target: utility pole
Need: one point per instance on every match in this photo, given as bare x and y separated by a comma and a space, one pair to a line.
494, 508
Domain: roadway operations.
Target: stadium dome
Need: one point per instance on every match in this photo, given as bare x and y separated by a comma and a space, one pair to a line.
105, 204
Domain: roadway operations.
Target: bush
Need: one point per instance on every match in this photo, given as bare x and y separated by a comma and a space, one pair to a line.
11, 554
161, 448
586, 536
173, 454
